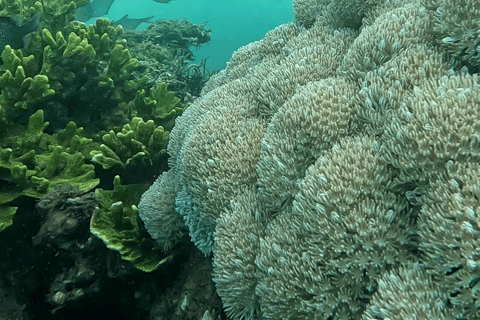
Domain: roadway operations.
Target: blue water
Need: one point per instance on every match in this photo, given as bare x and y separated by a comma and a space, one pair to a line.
233, 23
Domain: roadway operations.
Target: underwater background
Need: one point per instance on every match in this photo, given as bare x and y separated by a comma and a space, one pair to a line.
233, 23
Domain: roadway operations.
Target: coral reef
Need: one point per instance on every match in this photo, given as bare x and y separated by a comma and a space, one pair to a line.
164, 50
20, 93
161, 104
89, 60
59, 73
70, 71
76, 109
332, 168
139, 146
115, 222
33, 163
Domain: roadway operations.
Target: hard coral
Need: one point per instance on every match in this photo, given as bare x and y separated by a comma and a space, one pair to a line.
164, 54
34, 163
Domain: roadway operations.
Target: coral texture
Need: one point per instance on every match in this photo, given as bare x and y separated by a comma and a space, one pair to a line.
332, 167
456, 24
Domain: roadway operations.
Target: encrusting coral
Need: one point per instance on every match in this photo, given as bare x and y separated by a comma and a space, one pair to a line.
332, 167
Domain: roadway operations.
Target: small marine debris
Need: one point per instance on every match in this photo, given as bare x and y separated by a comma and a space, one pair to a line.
131, 24
207, 316
162, 1
183, 303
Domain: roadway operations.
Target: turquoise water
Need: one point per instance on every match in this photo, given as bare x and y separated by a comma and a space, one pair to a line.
233, 23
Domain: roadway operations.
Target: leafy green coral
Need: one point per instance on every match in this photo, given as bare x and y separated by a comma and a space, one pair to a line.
34, 163
138, 139
160, 104
73, 140
139, 147
81, 72
70, 71
116, 222
20, 92
6, 216
55, 14
91, 69
21, 9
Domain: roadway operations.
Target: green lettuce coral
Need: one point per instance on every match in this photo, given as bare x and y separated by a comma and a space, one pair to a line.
161, 104
91, 69
103, 119
116, 222
34, 163
22, 89
6, 216
61, 68
137, 146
